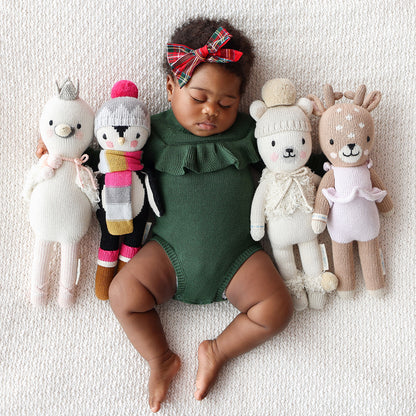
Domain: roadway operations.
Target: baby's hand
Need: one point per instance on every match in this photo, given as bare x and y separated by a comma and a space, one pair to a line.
257, 232
41, 149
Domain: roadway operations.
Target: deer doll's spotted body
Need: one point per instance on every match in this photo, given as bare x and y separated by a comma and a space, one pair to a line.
350, 194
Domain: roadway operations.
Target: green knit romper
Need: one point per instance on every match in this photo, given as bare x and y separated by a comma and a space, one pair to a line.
207, 189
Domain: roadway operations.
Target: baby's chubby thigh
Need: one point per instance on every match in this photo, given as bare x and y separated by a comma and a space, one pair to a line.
285, 231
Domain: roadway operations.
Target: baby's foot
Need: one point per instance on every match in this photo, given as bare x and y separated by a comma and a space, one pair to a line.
162, 371
210, 362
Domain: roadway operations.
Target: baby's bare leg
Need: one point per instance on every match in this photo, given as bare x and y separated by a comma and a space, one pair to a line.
258, 291
146, 280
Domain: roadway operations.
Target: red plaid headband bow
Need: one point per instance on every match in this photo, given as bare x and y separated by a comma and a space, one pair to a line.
184, 60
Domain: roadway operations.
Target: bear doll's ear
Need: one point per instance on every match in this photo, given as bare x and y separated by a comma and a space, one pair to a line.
305, 105
257, 109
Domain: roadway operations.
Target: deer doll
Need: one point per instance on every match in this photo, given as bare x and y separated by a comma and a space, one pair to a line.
350, 193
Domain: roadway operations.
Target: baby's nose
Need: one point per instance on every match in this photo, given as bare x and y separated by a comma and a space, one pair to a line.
210, 110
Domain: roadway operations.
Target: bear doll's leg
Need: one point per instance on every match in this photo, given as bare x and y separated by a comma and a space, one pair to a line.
40, 267
311, 258
285, 261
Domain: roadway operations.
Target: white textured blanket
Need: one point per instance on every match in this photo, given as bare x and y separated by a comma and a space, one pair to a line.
356, 357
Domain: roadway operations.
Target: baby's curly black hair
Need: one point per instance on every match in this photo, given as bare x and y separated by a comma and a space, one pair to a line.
195, 33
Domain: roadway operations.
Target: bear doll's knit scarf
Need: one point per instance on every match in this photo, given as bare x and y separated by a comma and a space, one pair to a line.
118, 168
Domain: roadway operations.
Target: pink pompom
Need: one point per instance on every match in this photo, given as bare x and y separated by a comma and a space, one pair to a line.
124, 88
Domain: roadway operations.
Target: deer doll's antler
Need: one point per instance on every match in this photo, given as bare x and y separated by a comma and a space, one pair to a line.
329, 96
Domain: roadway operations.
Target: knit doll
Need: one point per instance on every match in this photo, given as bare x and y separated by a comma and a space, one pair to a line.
122, 126
62, 192
351, 194
285, 196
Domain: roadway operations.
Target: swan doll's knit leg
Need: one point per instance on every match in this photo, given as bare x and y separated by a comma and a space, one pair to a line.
69, 266
40, 269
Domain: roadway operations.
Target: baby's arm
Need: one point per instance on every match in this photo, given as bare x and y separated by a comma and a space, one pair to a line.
321, 209
386, 205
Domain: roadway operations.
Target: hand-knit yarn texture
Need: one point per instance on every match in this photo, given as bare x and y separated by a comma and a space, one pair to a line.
355, 357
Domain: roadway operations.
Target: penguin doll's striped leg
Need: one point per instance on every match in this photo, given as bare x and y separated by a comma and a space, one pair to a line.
107, 258
132, 242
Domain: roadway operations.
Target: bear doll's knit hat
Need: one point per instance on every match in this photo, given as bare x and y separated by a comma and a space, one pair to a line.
280, 112
124, 108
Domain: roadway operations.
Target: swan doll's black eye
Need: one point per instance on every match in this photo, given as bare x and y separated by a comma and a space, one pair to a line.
137, 135
50, 122
273, 143
104, 136
303, 140
78, 126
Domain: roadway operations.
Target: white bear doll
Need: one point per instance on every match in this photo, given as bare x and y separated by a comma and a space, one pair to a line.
285, 197
62, 192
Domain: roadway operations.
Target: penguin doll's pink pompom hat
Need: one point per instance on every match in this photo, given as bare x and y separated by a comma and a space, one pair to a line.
124, 88
124, 108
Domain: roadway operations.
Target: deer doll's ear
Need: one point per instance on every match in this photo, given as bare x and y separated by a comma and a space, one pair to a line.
257, 109
372, 100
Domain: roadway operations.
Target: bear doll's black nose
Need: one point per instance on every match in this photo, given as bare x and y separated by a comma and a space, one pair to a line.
289, 150
120, 130
351, 146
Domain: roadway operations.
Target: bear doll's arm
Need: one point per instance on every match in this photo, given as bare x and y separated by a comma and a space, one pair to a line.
386, 205
321, 209
257, 219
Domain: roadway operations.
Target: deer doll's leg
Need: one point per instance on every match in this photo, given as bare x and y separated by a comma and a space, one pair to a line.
69, 266
310, 255
40, 267
371, 267
286, 265
344, 268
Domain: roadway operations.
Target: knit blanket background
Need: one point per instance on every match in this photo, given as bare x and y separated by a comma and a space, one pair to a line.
355, 357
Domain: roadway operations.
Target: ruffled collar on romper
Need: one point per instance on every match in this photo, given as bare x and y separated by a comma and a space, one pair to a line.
175, 150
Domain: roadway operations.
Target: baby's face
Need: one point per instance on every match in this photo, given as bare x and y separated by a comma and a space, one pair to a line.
208, 103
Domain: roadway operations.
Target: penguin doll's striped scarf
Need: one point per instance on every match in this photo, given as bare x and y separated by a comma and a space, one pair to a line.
118, 168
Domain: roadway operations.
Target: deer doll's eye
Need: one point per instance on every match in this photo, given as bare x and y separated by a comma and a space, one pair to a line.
368, 139
273, 143
331, 142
